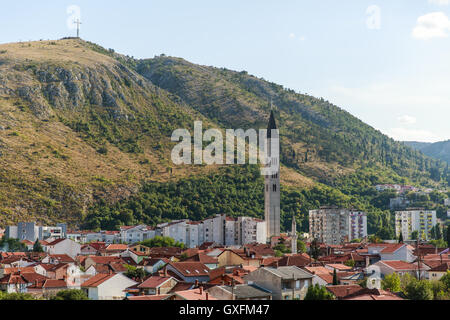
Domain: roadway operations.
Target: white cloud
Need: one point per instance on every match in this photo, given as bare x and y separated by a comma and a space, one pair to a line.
407, 119
402, 134
440, 2
292, 35
432, 25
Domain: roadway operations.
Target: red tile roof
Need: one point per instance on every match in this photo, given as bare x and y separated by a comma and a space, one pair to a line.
151, 297
342, 291
117, 247
153, 282
191, 269
399, 265
442, 267
97, 280
194, 294
55, 242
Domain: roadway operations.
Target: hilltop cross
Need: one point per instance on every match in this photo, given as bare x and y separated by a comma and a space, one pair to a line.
78, 22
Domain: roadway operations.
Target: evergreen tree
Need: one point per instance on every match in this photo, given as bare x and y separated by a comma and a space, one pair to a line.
335, 279
448, 235
37, 246
400, 238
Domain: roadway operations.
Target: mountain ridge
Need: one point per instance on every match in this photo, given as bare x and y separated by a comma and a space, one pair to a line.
84, 125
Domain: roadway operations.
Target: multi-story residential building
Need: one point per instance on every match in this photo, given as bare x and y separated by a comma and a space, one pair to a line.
398, 203
251, 230
133, 234
331, 225
31, 231
415, 219
285, 283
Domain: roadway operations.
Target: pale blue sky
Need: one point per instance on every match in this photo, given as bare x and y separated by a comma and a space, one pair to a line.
391, 72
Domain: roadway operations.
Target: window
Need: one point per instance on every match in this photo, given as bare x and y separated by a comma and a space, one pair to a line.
274, 187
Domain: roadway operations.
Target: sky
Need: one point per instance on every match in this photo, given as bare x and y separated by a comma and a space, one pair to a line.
384, 61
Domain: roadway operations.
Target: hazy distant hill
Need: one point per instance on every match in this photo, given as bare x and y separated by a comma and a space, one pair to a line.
82, 125
439, 150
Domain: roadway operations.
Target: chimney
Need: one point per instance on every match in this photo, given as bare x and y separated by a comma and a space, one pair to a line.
165, 272
207, 296
201, 290
159, 291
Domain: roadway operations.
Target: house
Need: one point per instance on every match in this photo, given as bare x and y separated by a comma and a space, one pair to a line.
141, 248
285, 283
372, 294
385, 267
395, 251
438, 272
47, 288
342, 291
322, 275
58, 258
107, 286
239, 292
94, 248
210, 262
338, 267
98, 260
115, 248
19, 282
157, 285
63, 246
298, 260
188, 271
152, 265
192, 294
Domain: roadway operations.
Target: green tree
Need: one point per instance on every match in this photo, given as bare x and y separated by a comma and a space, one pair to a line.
301, 246
448, 235
314, 249
419, 290
414, 235
71, 294
16, 296
391, 282
37, 246
400, 238
335, 278
317, 292
135, 273
350, 263
446, 280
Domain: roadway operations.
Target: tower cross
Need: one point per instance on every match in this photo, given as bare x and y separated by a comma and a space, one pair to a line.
78, 22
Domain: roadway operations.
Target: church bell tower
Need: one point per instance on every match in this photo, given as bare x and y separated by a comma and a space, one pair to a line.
272, 181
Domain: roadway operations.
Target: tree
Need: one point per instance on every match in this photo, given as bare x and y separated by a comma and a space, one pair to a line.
160, 241
335, 278
350, 263
301, 246
391, 282
37, 246
414, 235
446, 280
135, 273
419, 290
70, 295
448, 235
317, 292
314, 249
400, 238
16, 296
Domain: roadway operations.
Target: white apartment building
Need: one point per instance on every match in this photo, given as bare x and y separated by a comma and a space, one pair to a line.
331, 225
415, 219
251, 230
133, 234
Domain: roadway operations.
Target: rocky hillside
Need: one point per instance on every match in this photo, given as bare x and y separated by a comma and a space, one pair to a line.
82, 125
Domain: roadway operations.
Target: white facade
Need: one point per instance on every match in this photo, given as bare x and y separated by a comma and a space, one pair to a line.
136, 234
111, 289
418, 220
66, 246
